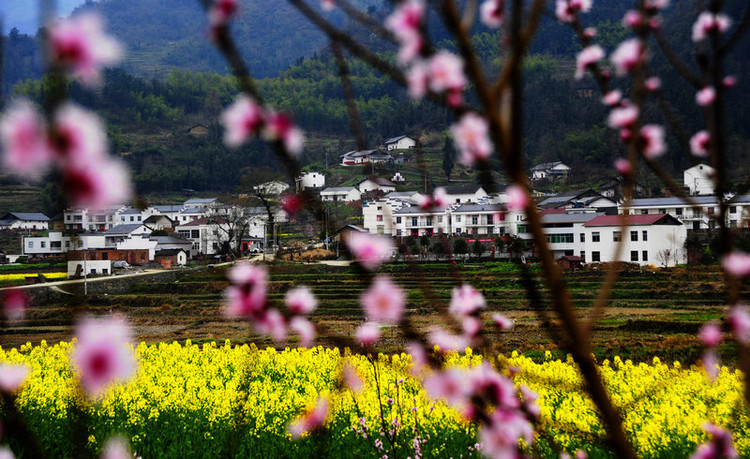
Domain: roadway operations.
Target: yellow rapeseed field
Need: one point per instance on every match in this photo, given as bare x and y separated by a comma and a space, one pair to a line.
216, 400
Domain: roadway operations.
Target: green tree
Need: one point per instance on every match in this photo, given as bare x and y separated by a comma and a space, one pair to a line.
477, 248
460, 247
449, 155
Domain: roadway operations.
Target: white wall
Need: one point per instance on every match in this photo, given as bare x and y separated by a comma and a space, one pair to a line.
662, 240
96, 267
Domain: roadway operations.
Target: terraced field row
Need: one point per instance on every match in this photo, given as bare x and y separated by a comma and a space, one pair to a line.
650, 312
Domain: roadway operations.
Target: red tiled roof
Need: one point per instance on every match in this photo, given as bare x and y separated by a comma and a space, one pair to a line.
614, 220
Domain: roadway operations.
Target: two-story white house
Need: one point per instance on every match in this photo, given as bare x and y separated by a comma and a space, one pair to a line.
402, 142
553, 169
478, 219
702, 216
653, 239
340, 194
564, 231
382, 185
461, 194
310, 180
24, 220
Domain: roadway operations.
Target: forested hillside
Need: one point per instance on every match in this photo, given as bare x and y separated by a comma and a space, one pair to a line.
149, 115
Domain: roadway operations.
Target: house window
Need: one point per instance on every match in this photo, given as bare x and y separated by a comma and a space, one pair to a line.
132, 218
583, 237
414, 221
55, 245
595, 237
31, 244
398, 219
710, 211
474, 219
644, 255
67, 217
489, 219
379, 218
644, 235
595, 256
583, 256
458, 218
634, 236
678, 211
195, 234
732, 209
633, 255
616, 236
644, 212
43, 244
429, 221
662, 211
440, 219
67, 244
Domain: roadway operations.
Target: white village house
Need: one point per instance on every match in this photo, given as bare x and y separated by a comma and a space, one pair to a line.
654, 239
24, 220
553, 169
402, 142
376, 184
340, 194
699, 180
695, 218
310, 180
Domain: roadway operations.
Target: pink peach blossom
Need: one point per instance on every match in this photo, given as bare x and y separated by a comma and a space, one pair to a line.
116, 448
300, 300
12, 376
587, 58
589, 32
241, 120
79, 136
565, 10
437, 201
271, 322
15, 301
471, 135
491, 13
384, 301
623, 117
368, 333
291, 204
529, 402
79, 44
612, 98
221, 12
627, 56
498, 390
718, 446
705, 96
419, 359
370, 250
517, 198
709, 23
654, 6
351, 378
452, 385
502, 322
699, 143
710, 361
737, 264
97, 184
652, 84
471, 326
405, 23
466, 300
305, 329
327, 5
710, 335
246, 298
445, 72
417, 78
312, 420
623, 166
729, 81
103, 353
280, 127
23, 140
448, 341
500, 437
633, 19
739, 320
653, 141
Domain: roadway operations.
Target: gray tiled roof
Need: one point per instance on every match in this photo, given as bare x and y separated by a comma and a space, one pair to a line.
123, 229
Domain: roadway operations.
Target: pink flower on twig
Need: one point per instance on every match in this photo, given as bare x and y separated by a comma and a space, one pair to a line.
612, 98
587, 58
368, 333
305, 329
15, 301
491, 13
241, 120
705, 96
79, 136
116, 448
466, 300
280, 127
23, 140
246, 297
301, 301
12, 376
710, 335
699, 143
445, 73
739, 319
623, 166
97, 184
627, 56
718, 446
709, 23
369, 250
471, 135
623, 117
565, 10
737, 264
517, 198
80, 45
502, 322
103, 353
384, 301
221, 12
312, 420
405, 23
652, 136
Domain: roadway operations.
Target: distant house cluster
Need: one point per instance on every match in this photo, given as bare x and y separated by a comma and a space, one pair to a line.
385, 154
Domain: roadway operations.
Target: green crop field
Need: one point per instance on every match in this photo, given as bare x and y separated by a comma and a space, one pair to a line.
650, 314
